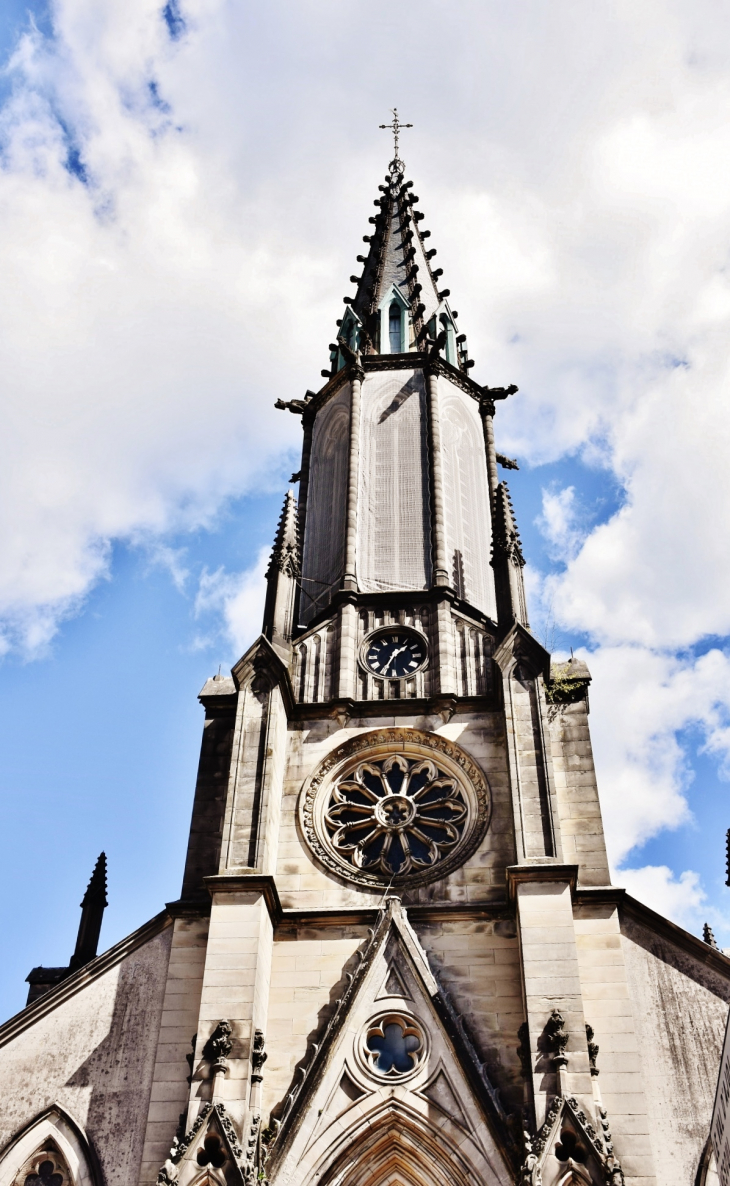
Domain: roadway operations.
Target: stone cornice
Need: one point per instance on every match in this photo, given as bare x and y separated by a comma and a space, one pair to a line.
498, 909
540, 871
675, 935
413, 360
251, 882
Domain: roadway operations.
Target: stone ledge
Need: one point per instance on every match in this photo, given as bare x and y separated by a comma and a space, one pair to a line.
548, 870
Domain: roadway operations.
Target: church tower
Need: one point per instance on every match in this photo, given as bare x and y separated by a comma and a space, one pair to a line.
397, 958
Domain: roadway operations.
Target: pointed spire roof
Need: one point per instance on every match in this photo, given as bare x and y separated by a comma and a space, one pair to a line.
92, 913
506, 535
96, 889
285, 553
398, 255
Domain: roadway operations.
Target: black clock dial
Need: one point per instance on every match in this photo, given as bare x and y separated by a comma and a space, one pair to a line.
395, 654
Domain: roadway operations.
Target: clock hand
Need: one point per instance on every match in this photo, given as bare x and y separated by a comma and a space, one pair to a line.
397, 651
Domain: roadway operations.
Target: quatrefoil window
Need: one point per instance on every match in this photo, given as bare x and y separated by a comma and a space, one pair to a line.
393, 1046
395, 815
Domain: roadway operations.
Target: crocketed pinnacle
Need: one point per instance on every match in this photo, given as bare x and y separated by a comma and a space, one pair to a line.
92, 913
397, 256
96, 889
506, 536
285, 553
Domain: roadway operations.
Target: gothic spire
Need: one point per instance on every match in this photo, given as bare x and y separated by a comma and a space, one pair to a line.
282, 576
285, 552
398, 303
508, 562
92, 911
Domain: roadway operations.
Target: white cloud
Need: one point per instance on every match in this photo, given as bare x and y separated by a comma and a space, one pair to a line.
560, 522
640, 700
150, 318
680, 898
238, 598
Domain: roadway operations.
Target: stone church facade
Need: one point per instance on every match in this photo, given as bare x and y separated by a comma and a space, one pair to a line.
397, 958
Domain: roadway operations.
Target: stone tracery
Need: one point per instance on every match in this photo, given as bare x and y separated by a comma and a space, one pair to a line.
396, 814
395, 806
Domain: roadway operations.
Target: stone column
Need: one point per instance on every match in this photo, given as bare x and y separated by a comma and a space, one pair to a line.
486, 408
308, 427
347, 674
438, 523
349, 580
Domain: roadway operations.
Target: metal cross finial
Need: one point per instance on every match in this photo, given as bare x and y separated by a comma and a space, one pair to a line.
395, 127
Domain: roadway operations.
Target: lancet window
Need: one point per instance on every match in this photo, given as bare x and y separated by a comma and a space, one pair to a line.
394, 328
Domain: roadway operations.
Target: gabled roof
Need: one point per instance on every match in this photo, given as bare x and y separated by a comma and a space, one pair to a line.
330, 1057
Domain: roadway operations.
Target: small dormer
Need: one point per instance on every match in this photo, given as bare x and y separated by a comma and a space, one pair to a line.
395, 322
350, 330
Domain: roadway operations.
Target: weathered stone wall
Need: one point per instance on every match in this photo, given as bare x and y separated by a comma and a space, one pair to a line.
477, 961
308, 970
178, 1025
680, 1007
94, 1055
610, 1011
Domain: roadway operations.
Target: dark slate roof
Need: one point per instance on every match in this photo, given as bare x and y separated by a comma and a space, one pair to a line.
397, 254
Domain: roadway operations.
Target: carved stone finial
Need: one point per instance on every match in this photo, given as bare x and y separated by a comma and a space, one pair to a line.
258, 1056
529, 1170
709, 937
593, 1049
219, 1046
557, 1038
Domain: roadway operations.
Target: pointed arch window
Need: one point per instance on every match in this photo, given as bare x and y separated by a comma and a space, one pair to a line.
395, 330
450, 349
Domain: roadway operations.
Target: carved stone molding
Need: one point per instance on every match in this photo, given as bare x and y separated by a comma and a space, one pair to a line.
464, 782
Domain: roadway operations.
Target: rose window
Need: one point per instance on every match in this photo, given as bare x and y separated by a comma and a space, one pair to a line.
396, 815
395, 807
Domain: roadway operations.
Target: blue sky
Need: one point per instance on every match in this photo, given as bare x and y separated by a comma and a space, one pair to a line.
181, 216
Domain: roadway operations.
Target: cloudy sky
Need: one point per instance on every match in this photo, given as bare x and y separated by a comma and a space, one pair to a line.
183, 191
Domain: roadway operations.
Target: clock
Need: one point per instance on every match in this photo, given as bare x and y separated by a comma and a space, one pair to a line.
394, 652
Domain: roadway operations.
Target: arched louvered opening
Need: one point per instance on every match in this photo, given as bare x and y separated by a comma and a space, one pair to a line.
393, 549
302, 680
324, 543
450, 347
466, 499
316, 668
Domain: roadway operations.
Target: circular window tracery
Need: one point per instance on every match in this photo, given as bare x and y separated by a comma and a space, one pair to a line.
392, 1046
395, 815
395, 806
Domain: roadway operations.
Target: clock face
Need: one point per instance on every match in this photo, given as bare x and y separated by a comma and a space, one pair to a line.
395, 654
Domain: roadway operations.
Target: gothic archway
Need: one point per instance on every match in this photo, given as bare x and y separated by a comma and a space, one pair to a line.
52, 1150
395, 1149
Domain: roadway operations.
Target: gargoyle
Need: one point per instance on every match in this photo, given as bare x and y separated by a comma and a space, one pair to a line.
500, 392
297, 406
506, 462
